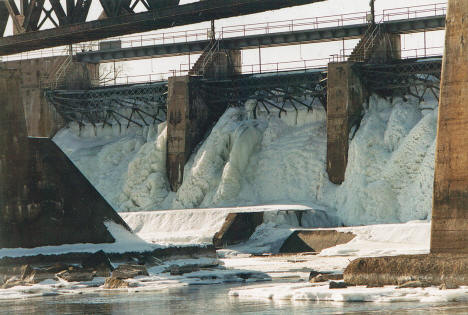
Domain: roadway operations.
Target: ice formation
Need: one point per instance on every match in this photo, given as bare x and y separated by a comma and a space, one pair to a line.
275, 159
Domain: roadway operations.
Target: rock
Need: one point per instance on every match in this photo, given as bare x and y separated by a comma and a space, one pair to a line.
99, 262
313, 274
448, 286
38, 275
326, 277
319, 278
114, 283
56, 268
149, 260
176, 270
76, 274
126, 271
13, 282
6, 272
414, 284
338, 285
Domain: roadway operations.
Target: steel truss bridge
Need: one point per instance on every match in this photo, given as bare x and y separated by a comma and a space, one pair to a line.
144, 104
120, 17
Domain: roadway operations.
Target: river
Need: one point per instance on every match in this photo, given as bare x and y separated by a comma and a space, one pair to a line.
213, 299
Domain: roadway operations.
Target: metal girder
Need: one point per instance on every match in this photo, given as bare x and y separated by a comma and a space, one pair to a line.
14, 14
262, 40
32, 14
113, 8
3, 17
136, 104
270, 90
399, 77
128, 24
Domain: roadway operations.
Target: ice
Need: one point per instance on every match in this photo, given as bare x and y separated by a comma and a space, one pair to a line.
384, 240
275, 159
198, 226
313, 292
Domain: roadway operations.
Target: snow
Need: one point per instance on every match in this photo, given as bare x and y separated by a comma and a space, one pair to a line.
198, 226
124, 242
274, 159
384, 240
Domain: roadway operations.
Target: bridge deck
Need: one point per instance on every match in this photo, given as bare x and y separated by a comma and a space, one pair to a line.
404, 26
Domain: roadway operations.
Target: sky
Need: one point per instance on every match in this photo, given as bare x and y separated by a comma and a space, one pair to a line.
286, 53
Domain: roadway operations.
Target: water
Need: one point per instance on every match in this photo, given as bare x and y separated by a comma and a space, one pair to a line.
206, 300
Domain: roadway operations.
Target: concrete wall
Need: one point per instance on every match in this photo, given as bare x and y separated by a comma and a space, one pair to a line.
450, 205
41, 118
44, 199
345, 96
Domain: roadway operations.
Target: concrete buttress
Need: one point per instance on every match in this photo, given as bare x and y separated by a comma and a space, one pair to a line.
44, 199
449, 233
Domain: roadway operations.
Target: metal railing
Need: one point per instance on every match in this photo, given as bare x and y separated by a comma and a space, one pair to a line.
291, 25
269, 67
424, 52
280, 26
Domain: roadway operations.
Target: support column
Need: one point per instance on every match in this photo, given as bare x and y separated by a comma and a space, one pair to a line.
190, 116
188, 119
449, 233
44, 199
345, 95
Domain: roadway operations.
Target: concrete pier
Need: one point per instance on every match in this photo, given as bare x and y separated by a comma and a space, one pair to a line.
189, 115
345, 96
187, 122
450, 204
42, 120
44, 199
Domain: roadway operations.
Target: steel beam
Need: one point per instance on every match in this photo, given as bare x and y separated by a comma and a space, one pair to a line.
122, 25
3, 17
263, 40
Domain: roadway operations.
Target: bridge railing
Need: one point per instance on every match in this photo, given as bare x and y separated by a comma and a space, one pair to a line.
282, 26
243, 30
141, 79
422, 52
261, 68
413, 12
273, 26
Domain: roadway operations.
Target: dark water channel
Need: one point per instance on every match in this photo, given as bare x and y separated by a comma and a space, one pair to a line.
206, 300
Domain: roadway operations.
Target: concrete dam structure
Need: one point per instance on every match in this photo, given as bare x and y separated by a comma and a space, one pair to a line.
191, 110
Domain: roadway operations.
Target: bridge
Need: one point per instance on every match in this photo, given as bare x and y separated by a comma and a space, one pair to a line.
145, 103
119, 18
270, 34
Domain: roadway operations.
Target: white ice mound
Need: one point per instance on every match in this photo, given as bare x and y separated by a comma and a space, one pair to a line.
390, 164
276, 159
146, 183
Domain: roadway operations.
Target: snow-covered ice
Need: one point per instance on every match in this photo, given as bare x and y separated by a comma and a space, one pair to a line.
314, 292
198, 226
124, 242
274, 159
